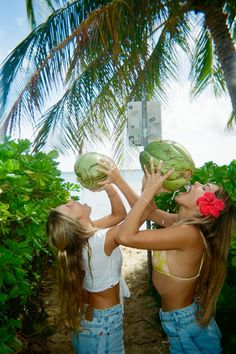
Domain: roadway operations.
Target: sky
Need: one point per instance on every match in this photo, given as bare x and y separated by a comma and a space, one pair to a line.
198, 125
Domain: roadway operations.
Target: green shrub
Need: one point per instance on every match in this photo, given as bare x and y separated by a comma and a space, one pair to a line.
30, 185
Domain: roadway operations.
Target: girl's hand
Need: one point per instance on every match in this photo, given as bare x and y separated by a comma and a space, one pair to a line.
102, 188
144, 180
154, 180
111, 170
108, 188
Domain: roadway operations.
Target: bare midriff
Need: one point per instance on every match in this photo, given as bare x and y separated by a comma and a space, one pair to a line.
103, 299
175, 293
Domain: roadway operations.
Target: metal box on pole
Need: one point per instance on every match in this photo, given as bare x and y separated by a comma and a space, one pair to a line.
144, 122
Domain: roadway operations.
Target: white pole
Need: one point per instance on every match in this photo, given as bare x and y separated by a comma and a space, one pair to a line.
148, 223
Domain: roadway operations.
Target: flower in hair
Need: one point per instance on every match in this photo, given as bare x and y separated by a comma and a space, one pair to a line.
208, 204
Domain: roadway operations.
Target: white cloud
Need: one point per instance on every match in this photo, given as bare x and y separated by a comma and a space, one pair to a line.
200, 126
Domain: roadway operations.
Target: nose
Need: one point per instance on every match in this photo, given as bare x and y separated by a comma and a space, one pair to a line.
197, 184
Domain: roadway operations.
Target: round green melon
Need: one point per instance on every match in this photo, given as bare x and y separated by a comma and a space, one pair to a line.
173, 155
86, 170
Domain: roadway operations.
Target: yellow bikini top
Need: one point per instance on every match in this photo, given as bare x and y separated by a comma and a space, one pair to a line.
159, 263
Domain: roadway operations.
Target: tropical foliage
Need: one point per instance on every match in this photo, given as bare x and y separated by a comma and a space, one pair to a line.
30, 186
101, 54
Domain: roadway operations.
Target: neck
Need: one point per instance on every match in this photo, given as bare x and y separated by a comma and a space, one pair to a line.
183, 214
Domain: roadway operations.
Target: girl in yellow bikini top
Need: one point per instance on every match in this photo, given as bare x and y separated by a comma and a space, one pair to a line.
159, 263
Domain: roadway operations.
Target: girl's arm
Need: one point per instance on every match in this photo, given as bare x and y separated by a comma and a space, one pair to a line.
151, 212
114, 176
160, 217
168, 238
118, 211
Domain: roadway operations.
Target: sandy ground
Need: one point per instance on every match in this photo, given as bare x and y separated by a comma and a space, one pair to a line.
142, 331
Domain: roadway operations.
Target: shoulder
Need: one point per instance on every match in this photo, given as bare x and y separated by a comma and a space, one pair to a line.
98, 237
101, 233
190, 233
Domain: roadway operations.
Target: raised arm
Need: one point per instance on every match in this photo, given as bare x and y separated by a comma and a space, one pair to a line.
118, 211
160, 217
151, 212
114, 176
129, 234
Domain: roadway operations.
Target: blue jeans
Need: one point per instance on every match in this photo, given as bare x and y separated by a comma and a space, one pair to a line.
102, 335
185, 335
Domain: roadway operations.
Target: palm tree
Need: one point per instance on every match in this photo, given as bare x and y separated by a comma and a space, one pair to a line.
99, 55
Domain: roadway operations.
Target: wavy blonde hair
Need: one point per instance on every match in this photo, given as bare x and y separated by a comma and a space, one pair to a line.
217, 234
68, 236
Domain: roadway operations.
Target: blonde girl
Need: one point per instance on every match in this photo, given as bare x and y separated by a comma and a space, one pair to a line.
90, 286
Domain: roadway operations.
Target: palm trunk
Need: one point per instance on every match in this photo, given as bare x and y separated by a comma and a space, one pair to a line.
216, 23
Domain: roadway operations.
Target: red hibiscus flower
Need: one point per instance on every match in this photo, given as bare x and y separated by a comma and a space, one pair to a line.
208, 204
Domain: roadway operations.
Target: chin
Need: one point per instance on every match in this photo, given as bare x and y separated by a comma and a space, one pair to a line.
180, 196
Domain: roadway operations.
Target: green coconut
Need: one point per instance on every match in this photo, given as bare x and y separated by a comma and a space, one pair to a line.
173, 155
86, 170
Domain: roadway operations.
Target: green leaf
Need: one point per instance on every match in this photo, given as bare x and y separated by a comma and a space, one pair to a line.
4, 333
5, 349
14, 323
3, 298
15, 291
1, 280
53, 154
233, 261
9, 278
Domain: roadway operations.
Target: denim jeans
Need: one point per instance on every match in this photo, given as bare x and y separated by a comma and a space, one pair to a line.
102, 335
186, 336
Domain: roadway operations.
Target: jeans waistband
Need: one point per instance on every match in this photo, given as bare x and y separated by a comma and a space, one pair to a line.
101, 313
180, 313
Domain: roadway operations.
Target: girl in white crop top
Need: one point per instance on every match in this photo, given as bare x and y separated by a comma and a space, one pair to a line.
105, 270
91, 288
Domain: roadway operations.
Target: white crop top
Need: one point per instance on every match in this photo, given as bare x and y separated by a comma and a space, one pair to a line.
101, 271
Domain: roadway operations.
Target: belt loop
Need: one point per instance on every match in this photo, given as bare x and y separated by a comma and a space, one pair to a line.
89, 313
176, 317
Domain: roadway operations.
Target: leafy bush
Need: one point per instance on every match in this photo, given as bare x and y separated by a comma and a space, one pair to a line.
30, 187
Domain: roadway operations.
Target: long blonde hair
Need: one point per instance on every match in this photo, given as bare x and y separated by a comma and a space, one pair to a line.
217, 234
68, 236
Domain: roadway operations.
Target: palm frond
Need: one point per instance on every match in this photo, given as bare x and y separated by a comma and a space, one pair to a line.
231, 121
230, 9
73, 111
159, 70
142, 72
39, 11
205, 68
99, 55
44, 57
39, 63
110, 86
